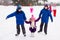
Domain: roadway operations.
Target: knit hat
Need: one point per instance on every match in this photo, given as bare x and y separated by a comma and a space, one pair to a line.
46, 5
18, 7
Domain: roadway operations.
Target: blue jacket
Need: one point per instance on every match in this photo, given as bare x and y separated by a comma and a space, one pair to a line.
45, 14
20, 17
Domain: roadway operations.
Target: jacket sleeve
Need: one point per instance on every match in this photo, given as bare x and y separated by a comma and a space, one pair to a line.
24, 16
28, 22
37, 19
11, 15
50, 16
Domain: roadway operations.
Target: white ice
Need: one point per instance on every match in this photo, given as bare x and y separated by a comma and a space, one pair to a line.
8, 27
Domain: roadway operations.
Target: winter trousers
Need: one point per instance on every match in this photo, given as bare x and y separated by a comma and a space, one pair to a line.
18, 29
45, 27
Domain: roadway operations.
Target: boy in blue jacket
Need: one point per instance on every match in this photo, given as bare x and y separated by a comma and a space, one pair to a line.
20, 18
44, 15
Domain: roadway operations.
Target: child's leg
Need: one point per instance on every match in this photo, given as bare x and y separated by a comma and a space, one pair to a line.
32, 31
41, 27
32, 34
45, 28
18, 30
23, 30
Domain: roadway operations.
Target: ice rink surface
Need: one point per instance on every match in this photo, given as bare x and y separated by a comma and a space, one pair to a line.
8, 27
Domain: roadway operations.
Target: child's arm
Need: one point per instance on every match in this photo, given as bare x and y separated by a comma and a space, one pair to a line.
37, 19
28, 22
11, 15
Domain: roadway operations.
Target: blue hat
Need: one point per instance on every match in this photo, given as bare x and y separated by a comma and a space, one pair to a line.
18, 6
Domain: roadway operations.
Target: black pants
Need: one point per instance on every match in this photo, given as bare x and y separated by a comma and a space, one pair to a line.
18, 29
45, 27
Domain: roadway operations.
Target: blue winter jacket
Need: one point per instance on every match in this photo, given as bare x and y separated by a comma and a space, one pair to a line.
20, 17
45, 14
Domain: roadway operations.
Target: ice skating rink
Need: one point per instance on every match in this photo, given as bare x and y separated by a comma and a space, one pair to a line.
8, 27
